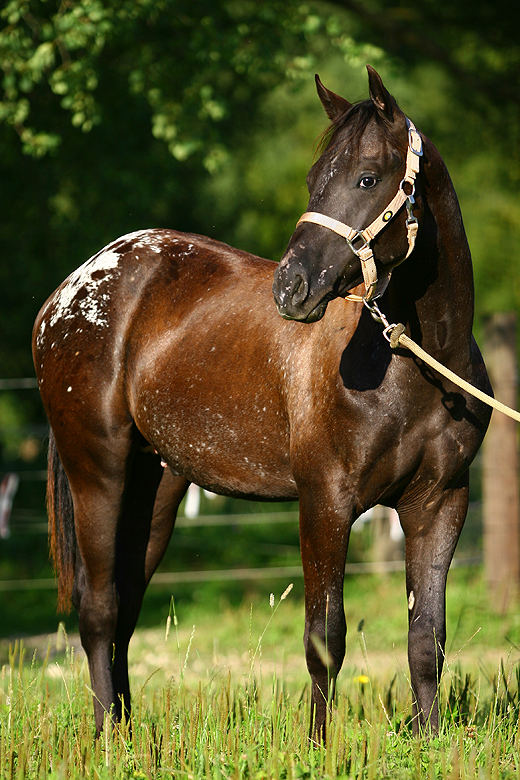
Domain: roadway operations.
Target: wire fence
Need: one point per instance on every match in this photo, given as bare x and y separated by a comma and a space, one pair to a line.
240, 575
33, 522
24, 383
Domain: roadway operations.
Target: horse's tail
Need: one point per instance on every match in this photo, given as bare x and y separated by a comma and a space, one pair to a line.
62, 535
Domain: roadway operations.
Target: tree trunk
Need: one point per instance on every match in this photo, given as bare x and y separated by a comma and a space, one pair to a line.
500, 466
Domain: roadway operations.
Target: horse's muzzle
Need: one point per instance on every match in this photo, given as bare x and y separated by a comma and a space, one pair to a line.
291, 291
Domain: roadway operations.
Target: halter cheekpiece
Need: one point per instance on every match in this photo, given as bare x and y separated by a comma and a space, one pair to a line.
359, 241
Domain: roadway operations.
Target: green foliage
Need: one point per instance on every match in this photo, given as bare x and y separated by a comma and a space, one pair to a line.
196, 66
476, 46
11, 420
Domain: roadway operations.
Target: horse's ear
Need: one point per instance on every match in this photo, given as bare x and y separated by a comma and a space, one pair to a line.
379, 94
333, 104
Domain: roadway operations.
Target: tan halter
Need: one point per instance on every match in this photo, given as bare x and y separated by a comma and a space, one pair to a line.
359, 241
393, 332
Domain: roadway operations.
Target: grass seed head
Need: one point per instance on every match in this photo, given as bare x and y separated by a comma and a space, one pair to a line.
286, 591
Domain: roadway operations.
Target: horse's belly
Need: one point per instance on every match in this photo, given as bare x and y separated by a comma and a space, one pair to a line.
231, 455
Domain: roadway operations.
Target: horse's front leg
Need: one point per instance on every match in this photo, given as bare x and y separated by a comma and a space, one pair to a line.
325, 522
432, 525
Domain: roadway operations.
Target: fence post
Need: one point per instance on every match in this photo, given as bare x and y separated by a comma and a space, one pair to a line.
500, 465
387, 538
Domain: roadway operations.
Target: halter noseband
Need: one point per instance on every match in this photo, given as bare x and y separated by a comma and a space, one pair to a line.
359, 240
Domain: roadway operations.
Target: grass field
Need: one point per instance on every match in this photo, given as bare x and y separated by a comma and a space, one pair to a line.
221, 691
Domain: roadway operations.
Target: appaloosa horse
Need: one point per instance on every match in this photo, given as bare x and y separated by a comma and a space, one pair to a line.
168, 345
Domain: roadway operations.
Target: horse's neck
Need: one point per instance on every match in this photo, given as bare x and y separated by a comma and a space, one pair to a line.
436, 283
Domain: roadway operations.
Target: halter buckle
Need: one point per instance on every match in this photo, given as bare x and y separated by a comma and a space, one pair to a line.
414, 139
363, 245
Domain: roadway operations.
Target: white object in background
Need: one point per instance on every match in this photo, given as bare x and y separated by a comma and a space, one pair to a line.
8, 488
192, 503
396, 532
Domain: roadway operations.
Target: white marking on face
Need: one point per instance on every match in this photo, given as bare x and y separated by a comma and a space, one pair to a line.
411, 600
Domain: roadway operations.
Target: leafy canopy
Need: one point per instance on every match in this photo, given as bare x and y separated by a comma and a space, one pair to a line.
197, 67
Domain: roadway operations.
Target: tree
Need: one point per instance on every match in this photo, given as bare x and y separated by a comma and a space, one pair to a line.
474, 43
500, 466
114, 117
197, 67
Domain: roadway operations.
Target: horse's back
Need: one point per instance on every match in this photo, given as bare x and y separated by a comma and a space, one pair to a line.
91, 296
151, 276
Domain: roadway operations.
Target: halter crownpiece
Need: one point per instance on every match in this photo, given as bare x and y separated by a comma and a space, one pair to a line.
359, 241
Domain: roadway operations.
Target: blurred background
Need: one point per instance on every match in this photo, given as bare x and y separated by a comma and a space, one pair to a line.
201, 115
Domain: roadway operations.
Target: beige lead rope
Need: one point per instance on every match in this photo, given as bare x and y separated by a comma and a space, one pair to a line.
403, 340
397, 338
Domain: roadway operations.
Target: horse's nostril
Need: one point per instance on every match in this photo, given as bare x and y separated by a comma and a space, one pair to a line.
299, 289
290, 288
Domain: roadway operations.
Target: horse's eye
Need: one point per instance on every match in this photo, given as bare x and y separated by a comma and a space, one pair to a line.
367, 182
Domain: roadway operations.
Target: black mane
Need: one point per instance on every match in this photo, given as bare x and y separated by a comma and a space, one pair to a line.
354, 120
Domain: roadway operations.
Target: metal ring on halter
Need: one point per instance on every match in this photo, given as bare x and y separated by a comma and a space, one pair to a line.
411, 196
350, 242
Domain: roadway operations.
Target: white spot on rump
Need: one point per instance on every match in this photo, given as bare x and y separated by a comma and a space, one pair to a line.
96, 273
40, 334
92, 306
149, 239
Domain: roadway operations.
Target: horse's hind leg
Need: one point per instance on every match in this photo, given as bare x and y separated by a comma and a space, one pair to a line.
97, 492
431, 536
145, 528
172, 490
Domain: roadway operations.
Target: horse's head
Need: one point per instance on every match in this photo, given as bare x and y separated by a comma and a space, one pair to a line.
355, 216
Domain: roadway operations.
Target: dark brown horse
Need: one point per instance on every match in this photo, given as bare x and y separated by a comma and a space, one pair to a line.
168, 345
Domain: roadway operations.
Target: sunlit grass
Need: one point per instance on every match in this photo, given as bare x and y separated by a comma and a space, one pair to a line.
225, 695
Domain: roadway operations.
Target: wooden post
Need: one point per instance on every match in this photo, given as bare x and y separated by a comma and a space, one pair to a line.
386, 545
500, 466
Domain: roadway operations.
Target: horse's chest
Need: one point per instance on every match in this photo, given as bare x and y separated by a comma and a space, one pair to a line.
406, 433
